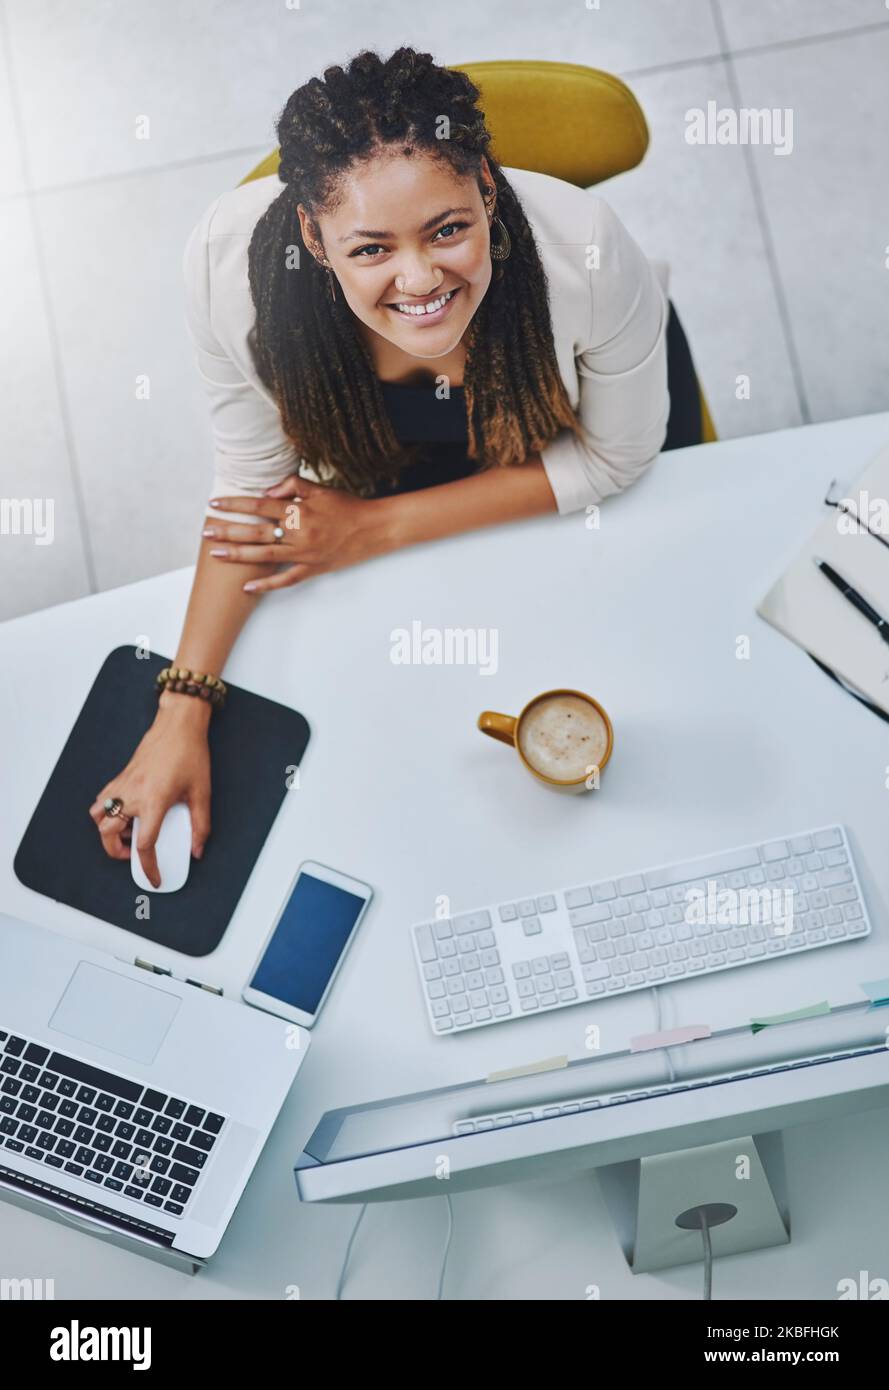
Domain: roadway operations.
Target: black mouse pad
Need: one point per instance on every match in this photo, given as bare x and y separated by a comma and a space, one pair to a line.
253, 744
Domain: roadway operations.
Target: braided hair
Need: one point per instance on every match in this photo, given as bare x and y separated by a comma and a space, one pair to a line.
307, 349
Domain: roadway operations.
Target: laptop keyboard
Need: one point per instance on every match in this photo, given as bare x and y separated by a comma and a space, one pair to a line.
108, 1130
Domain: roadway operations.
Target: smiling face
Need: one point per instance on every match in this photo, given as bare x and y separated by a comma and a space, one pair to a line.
409, 244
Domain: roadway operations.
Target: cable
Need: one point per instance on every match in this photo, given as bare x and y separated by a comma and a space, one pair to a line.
342, 1279
660, 1028
708, 1258
444, 1258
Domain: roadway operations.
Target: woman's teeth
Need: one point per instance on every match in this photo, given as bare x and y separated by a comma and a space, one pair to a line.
432, 307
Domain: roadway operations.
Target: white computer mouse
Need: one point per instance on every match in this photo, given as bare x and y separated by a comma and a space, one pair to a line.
173, 850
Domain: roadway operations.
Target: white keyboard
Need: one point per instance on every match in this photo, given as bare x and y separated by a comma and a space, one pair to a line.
670, 923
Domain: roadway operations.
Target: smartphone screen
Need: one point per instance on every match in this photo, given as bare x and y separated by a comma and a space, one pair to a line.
307, 943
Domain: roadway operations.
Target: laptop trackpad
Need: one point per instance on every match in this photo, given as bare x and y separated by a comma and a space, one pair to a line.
116, 1013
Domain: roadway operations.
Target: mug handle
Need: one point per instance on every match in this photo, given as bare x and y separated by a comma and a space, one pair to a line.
499, 726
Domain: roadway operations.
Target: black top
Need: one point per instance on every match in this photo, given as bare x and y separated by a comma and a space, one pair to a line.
438, 425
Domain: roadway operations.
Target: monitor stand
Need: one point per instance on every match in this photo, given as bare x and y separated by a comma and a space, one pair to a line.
646, 1196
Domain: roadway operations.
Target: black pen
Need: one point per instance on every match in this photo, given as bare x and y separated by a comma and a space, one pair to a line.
854, 597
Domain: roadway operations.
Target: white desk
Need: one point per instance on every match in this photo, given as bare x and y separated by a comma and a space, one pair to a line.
398, 787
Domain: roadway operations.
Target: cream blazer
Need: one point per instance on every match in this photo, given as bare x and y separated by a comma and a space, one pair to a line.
608, 305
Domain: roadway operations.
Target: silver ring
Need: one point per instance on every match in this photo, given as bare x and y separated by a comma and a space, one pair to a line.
278, 534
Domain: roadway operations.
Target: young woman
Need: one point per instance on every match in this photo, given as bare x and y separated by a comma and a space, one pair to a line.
400, 341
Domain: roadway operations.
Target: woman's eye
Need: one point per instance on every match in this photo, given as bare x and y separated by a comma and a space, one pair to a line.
362, 250
451, 227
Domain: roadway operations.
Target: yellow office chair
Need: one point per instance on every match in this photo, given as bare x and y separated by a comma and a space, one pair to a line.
575, 123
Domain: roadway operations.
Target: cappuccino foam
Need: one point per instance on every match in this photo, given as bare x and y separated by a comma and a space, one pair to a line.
563, 737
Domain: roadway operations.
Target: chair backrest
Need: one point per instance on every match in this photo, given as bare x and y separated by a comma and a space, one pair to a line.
576, 123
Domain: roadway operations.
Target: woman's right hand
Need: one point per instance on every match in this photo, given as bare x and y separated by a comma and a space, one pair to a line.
171, 764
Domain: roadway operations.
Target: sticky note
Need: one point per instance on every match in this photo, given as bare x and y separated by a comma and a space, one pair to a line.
811, 1011
528, 1069
877, 992
669, 1037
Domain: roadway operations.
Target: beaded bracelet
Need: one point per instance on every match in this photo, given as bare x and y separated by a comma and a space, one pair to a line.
199, 683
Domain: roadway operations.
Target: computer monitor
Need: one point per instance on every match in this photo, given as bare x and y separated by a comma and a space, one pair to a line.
622, 1106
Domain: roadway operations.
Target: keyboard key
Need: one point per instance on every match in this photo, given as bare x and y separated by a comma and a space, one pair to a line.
472, 922
708, 867
828, 878
828, 839
586, 916
578, 897
425, 943
154, 1100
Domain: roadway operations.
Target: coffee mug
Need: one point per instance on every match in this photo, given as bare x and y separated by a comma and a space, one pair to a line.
560, 737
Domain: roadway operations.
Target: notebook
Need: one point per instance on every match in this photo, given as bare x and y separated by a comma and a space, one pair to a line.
811, 612
254, 745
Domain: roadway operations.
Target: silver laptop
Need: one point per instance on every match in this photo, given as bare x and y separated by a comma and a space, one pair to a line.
132, 1105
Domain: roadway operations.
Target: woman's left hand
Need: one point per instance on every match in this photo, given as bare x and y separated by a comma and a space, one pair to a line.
323, 529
